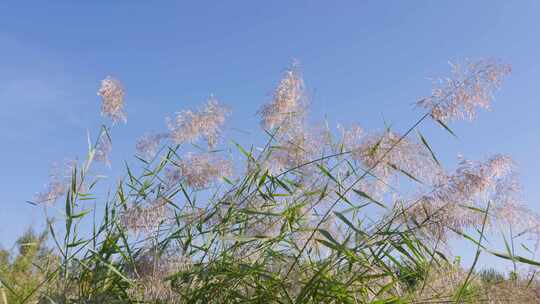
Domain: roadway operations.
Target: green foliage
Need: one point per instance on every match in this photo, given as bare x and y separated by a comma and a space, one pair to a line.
491, 276
23, 270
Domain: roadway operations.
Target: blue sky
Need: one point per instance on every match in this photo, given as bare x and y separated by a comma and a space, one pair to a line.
363, 61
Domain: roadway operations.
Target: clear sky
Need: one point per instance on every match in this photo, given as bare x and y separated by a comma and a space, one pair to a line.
363, 61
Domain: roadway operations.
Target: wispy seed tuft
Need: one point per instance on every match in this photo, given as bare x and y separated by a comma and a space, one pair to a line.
112, 99
189, 126
471, 87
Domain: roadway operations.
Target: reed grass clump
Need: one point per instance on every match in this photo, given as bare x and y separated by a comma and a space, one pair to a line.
313, 215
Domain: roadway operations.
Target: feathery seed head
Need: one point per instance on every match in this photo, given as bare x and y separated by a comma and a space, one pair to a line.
148, 144
112, 99
471, 87
200, 170
140, 218
471, 184
288, 106
388, 152
189, 126
59, 183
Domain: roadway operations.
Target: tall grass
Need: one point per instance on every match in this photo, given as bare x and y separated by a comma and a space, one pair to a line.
314, 215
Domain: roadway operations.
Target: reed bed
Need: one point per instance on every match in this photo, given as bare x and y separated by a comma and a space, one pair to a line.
313, 215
